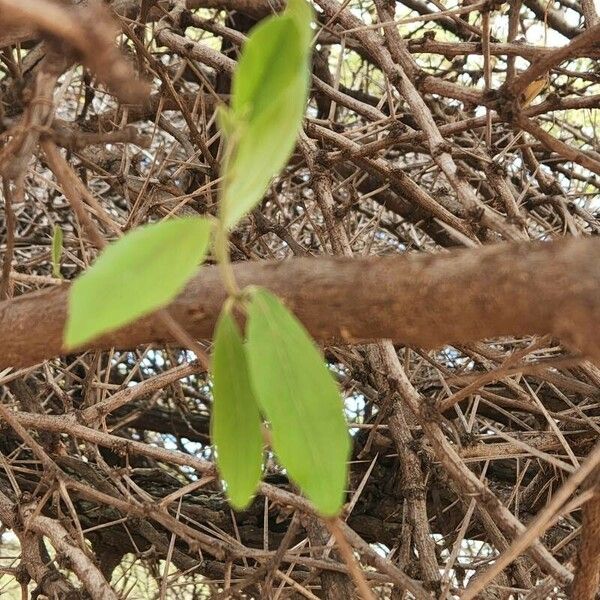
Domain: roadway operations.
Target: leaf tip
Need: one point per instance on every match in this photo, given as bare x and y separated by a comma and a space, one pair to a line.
240, 503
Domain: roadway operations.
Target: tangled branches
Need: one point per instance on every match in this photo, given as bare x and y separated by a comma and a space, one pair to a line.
431, 127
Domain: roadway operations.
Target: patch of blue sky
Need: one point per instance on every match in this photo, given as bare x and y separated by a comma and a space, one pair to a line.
354, 407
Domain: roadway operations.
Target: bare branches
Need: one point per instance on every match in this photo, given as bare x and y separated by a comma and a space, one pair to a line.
87, 33
81, 564
553, 59
473, 469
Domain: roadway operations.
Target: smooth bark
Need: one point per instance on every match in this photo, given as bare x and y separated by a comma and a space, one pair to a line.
541, 288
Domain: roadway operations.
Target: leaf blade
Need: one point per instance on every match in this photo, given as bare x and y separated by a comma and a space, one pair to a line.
269, 94
235, 419
134, 276
298, 395
57, 248
260, 155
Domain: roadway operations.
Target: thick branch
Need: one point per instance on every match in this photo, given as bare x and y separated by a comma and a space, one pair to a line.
424, 301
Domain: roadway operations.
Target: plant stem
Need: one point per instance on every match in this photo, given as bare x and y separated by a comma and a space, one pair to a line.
224, 260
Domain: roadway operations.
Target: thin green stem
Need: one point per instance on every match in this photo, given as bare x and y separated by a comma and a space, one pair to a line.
224, 260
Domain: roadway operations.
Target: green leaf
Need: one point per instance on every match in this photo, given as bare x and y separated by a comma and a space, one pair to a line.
260, 155
134, 276
300, 397
236, 422
269, 95
57, 246
302, 13
265, 67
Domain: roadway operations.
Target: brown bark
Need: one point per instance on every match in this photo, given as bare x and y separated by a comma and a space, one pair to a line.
426, 301
587, 576
336, 586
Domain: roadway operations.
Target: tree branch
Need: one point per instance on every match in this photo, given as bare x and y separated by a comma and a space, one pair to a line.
424, 301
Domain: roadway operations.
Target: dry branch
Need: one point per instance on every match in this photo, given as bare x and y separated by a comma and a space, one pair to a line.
423, 301
85, 33
469, 458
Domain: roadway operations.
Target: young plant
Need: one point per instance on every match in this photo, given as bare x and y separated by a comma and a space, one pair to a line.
57, 248
277, 372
